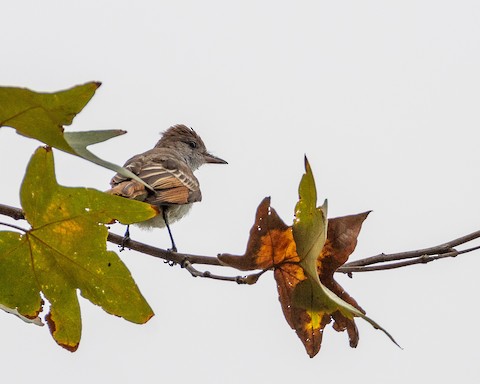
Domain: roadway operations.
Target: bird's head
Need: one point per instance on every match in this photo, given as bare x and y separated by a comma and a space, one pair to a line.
189, 145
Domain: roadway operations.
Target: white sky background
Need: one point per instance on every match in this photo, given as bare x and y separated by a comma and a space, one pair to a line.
383, 98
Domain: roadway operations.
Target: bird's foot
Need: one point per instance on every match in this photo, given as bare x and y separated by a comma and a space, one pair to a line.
125, 240
170, 262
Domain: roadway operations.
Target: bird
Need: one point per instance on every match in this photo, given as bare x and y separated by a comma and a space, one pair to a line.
168, 168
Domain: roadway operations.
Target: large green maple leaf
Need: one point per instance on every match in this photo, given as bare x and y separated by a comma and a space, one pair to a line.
65, 251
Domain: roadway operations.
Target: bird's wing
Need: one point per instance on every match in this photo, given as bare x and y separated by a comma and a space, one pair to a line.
170, 177
173, 181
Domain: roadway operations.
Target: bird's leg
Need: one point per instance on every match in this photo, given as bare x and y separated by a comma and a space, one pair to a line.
165, 218
126, 238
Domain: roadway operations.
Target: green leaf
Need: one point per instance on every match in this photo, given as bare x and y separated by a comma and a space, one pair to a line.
65, 251
350, 311
18, 289
311, 296
310, 224
79, 141
314, 297
42, 116
310, 234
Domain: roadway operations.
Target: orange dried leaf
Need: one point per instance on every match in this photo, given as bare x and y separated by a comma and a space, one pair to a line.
270, 242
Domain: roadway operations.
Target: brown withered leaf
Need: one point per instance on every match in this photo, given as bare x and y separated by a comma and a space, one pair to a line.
271, 246
341, 241
304, 258
309, 323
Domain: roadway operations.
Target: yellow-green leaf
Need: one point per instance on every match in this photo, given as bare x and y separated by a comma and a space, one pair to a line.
42, 116
310, 224
65, 251
310, 235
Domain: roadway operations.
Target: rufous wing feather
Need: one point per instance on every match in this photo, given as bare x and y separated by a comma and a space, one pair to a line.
130, 189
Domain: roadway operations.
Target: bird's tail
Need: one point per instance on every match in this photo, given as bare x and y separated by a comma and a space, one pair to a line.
130, 189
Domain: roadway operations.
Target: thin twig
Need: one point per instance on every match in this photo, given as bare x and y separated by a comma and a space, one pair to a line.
196, 273
247, 279
386, 260
436, 250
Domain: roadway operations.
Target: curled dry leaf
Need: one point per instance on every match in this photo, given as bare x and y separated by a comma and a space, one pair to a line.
304, 258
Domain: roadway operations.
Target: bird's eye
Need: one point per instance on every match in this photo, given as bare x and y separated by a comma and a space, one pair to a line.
192, 144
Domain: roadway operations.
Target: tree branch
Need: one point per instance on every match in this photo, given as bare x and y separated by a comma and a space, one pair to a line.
13, 212
378, 262
421, 256
172, 257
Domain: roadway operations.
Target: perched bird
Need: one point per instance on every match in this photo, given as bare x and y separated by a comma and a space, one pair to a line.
168, 169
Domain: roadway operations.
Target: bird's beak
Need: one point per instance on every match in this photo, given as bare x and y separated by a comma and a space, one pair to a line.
213, 159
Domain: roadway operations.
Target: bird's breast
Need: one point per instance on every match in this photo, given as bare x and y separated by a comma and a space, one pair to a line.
174, 213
